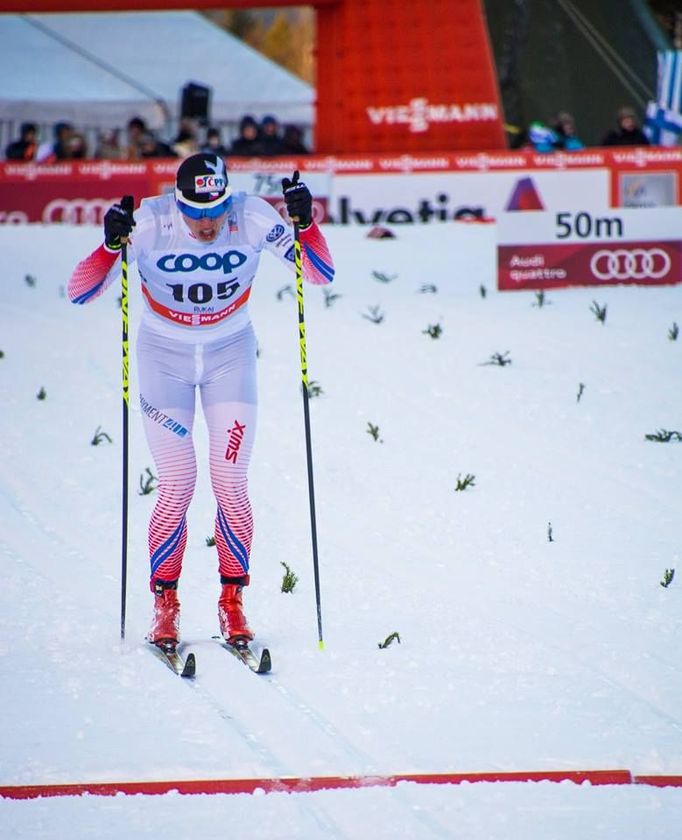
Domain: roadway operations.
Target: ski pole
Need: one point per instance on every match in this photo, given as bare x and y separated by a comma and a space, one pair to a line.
306, 415
127, 203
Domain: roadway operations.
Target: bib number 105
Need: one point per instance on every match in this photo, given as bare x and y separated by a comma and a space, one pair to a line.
202, 292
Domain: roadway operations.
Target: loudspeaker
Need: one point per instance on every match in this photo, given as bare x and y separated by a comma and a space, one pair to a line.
196, 102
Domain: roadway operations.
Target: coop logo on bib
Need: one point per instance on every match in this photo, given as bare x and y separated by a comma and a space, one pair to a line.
226, 262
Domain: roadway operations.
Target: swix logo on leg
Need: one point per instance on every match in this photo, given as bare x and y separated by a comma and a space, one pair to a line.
235, 441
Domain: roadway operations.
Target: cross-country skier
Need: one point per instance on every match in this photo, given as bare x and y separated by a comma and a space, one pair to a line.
197, 251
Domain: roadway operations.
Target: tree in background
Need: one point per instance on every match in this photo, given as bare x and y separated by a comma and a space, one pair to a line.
286, 37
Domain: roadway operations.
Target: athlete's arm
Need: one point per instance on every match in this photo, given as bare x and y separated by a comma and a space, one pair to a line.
92, 276
95, 273
267, 229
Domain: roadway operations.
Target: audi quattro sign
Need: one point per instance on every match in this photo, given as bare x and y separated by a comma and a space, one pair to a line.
539, 250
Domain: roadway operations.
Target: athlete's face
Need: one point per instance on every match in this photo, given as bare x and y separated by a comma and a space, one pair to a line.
206, 229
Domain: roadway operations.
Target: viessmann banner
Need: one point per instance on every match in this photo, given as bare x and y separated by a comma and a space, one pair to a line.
568, 248
368, 189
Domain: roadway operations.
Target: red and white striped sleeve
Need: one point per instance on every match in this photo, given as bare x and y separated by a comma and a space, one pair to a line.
92, 276
318, 267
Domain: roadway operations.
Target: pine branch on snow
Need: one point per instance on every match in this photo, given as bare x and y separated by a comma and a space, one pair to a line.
147, 485
668, 576
469, 480
290, 578
393, 637
99, 436
376, 316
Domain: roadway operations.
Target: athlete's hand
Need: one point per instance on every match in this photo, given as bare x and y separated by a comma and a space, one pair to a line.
299, 201
118, 223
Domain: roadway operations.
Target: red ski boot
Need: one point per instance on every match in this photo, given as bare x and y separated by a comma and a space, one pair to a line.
231, 616
165, 629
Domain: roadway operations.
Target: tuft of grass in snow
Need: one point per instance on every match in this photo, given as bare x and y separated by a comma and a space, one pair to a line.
41, 394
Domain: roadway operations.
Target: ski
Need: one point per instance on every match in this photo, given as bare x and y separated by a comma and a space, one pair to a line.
241, 650
168, 654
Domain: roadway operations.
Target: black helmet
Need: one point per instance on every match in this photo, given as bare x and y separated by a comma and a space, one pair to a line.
201, 181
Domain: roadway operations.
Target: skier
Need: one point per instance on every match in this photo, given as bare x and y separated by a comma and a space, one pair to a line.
197, 251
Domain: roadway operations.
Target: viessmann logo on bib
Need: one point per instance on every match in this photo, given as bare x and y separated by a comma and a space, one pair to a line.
209, 183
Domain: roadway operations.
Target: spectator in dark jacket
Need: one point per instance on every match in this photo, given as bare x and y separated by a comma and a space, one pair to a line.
26, 146
270, 137
248, 143
60, 149
627, 132
213, 144
292, 141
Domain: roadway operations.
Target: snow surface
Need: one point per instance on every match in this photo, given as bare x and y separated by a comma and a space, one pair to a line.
516, 652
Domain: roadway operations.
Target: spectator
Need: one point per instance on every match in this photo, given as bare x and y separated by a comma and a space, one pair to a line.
541, 137
627, 132
137, 127
77, 146
248, 142
213, 143
150, 146
59, 149
108, 145
270, 137
564, 128
292, 141
186, 142
26, 146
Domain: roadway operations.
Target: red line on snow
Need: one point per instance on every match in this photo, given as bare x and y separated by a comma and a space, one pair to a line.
289, 784
659, 781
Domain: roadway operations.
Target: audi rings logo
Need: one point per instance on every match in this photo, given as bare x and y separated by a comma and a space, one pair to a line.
637, 264
76, 211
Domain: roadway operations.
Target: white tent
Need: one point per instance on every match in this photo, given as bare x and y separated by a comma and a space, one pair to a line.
100, 69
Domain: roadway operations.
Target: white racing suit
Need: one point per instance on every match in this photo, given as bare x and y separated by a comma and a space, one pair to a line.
196, 333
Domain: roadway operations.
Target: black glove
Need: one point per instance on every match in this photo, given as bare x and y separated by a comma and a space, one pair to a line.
118, 222
299, 201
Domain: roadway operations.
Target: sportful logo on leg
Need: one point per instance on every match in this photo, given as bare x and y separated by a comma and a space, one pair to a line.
235, 441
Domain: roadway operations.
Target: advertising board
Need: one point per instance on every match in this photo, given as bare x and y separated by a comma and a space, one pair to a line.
566, 248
